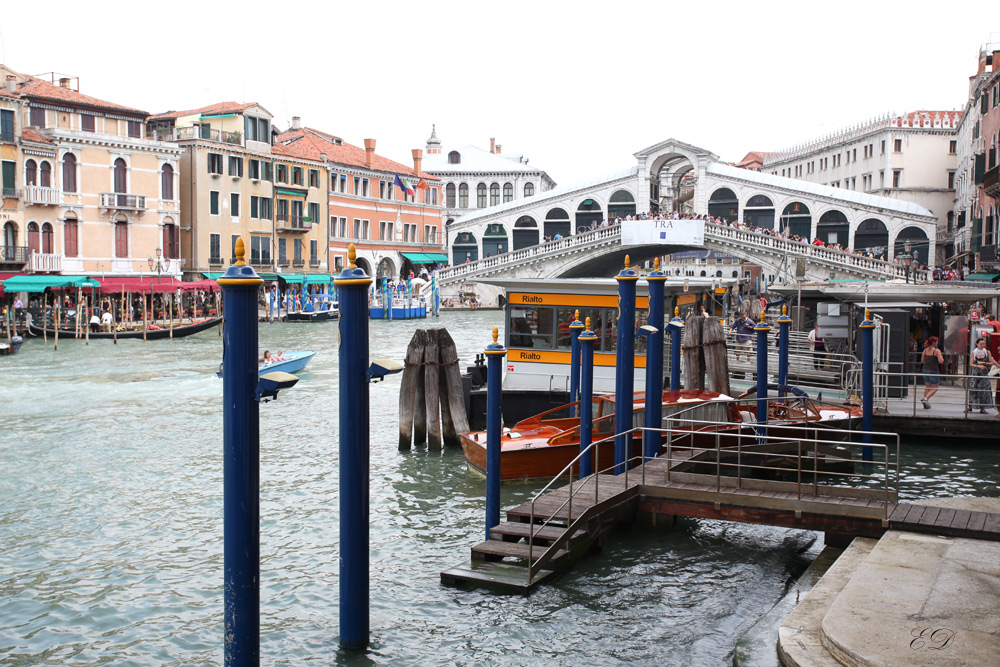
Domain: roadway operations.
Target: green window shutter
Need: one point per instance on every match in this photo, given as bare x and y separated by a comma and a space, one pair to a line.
9, 171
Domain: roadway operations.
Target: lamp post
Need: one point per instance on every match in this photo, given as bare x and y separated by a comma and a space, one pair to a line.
157, 263
906, 258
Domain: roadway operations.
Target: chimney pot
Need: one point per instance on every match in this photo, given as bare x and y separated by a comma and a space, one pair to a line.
296, 122
498, 149
64, 82
369, 152
418, 158
493, 147
11, 84
323, 156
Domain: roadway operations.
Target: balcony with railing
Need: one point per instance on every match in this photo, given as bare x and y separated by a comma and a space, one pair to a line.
314, 263
118, 200
991, 182
10, 254
215, 261
282, 261
298, 261
285, 222
11, 193
44, 262
37, 194
200, 132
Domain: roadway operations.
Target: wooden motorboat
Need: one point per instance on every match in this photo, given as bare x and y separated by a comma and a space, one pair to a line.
291, 362
12, 346
152, 333
312, 315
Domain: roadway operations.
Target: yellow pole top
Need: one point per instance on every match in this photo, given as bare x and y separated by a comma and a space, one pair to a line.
784, 309
656, 264
496, 333
868, 314
588, 324
241, 251
626, 262
352, 254
677, 311
576, 316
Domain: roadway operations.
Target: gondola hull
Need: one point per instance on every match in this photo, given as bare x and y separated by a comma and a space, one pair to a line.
150, 334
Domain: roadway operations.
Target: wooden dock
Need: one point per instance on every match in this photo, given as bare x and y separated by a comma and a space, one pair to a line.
561, 532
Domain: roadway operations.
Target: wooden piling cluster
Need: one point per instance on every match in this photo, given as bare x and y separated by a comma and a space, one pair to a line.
705, 354
431, 402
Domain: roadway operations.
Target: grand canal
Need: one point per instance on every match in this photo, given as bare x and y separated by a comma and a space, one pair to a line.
111, 525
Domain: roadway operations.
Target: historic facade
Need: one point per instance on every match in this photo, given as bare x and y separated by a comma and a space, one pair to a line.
911, 157
475, 179
85, 189
394, 229
977, 183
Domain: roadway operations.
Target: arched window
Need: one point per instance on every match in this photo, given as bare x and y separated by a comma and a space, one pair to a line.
30, 172
494, 194
463, 195
449, 195
529, 189
33, 245
167, 182
121, 185
481, 195
69, 173
71, 236
171, 240
723, 204
45, 174
121, 239
47, 245
9, 240
508, 192
454, 158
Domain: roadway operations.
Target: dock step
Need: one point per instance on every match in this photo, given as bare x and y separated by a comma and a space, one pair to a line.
519, 550
506, 577
522, 529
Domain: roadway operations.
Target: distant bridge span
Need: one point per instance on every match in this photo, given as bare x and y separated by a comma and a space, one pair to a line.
600, 253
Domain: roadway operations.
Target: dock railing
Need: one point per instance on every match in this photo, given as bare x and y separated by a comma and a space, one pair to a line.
739, 455
900, 394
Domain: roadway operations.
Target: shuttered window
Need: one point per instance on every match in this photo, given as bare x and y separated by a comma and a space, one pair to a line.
121, 239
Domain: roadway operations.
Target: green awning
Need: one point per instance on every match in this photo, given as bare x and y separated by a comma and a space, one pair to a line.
984, 277
425, 258
218, 115
263, 276
317, 279
293, 193
296, 278
39, 283
213, 275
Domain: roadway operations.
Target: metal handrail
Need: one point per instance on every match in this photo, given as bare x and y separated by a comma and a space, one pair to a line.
883, 386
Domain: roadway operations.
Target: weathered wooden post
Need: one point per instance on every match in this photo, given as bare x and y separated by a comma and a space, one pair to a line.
494, 357
694, 359
784, 322
241, 465
625, 366
354, 454
654, 364
867, 384
575, 327
762, 330
676, 329
432, 398
453, 415
587, 340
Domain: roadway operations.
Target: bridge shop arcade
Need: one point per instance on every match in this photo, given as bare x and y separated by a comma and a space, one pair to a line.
538, 314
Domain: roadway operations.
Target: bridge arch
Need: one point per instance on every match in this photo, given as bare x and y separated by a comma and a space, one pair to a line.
465, 248
363, 264
796, 220
587, 212
525, 232
759, 212
833, 227
621, 204
723, 204
556, 222
872, 235
495, 241
386, 267
917, 240
665, 166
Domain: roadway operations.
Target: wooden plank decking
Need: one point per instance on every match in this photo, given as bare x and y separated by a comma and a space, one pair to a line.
605, 500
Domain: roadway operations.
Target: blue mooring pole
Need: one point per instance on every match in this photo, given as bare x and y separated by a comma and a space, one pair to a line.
762, 330
587, 340
867, 383
575, 328
784, 322
676, 327
241, 464
625, 366
354, 457
494, 425
654, 364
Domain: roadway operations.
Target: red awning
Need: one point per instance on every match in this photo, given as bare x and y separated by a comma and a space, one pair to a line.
147, 284
5, 276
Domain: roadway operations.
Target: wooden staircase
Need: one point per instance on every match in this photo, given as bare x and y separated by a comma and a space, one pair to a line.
557, 538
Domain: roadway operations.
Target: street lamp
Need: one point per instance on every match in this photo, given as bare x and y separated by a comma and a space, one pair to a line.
906, 259
156, 263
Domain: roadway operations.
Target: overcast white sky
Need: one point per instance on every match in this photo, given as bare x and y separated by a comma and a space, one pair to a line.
577, 87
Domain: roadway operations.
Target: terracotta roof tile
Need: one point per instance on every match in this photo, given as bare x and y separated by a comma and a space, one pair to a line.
28, 134
44, 91
217, 108
309, 143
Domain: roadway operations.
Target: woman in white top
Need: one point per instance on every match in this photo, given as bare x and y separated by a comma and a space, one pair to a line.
980, 397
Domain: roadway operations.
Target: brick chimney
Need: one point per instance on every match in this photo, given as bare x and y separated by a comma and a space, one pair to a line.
996, 61
369, 152
11, 84
64, 82
493, 145
418, 158
296, 122
498, 149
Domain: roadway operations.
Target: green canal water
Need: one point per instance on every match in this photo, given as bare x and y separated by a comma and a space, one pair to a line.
111, 526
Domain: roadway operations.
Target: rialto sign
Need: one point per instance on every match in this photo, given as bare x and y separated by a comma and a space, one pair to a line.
664, 232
